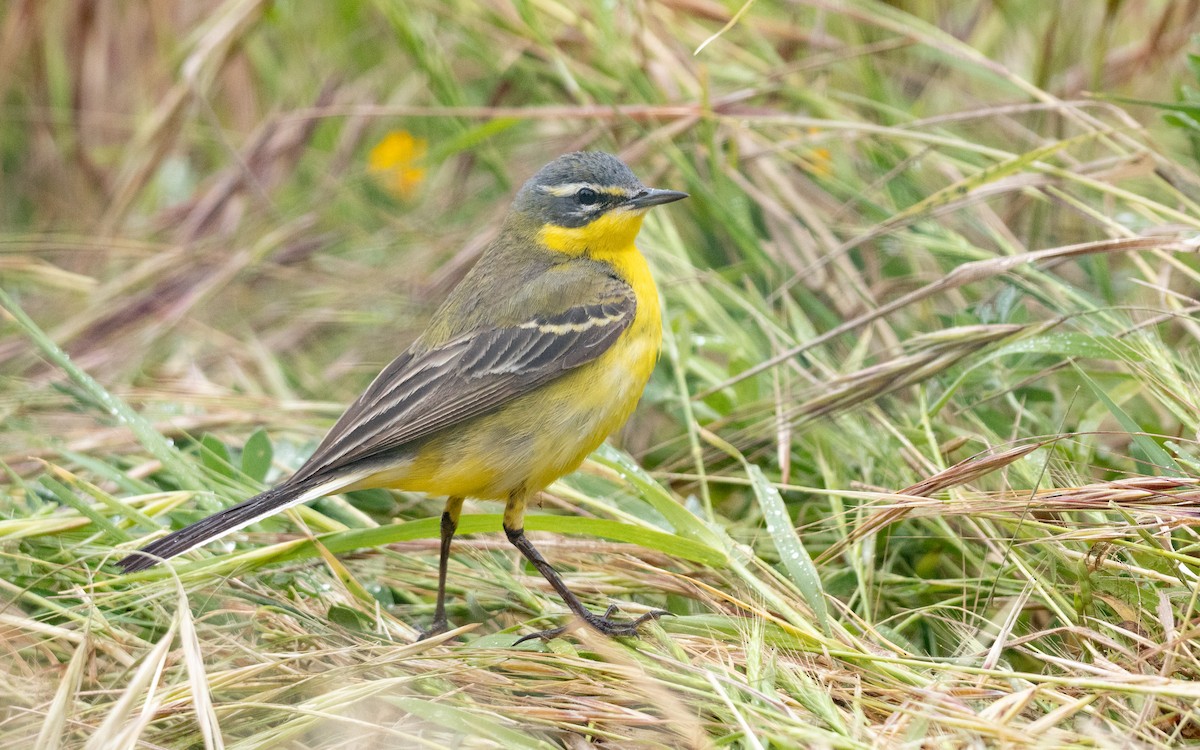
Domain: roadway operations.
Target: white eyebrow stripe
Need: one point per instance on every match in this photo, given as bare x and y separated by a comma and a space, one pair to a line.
562, 191
570, 188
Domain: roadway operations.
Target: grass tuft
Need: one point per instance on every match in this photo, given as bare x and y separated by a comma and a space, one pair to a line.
917, 466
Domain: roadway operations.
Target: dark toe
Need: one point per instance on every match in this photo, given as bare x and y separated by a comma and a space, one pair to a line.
603, 623
437, 627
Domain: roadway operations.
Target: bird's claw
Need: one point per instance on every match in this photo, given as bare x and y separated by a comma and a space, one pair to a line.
602, 623
437, 627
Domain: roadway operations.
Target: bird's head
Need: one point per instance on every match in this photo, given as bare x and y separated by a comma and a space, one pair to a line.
588, 201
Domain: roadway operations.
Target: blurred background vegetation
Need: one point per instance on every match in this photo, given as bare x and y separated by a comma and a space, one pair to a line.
916, 465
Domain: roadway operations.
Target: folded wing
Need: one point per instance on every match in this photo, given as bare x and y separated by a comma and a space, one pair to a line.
422, 393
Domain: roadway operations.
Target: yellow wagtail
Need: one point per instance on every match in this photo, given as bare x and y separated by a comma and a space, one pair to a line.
537, 356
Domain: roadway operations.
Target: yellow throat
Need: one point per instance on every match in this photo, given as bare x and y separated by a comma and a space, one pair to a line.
606, 238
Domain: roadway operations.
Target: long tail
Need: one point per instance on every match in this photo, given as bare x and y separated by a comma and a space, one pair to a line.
231, 519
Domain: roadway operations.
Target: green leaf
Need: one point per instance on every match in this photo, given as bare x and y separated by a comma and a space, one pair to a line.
375, 501
795, 557
214, 456
429, 528
683, 521
1154, 452
1183, 121
349, 618
1070, 345
257, 455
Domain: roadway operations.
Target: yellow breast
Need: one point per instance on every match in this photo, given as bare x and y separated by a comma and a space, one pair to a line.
539, 437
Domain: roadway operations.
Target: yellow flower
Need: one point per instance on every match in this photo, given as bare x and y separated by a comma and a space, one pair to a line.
395, 162
819, 160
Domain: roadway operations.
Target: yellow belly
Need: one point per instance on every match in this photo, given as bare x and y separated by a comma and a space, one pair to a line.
538, 437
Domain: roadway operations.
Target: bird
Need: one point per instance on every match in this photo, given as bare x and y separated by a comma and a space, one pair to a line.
536, 356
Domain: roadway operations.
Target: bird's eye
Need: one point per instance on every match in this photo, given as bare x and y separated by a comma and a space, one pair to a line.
587, 196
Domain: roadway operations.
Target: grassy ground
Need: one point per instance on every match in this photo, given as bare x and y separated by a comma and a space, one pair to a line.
915, 468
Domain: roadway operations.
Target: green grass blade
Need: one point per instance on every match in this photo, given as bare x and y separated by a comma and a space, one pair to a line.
1149, 446
792, 553
151, 440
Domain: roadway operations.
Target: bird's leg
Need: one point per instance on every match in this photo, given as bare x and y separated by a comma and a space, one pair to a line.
450, 516
514, 517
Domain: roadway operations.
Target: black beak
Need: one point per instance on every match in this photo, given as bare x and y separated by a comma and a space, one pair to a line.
654, 197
